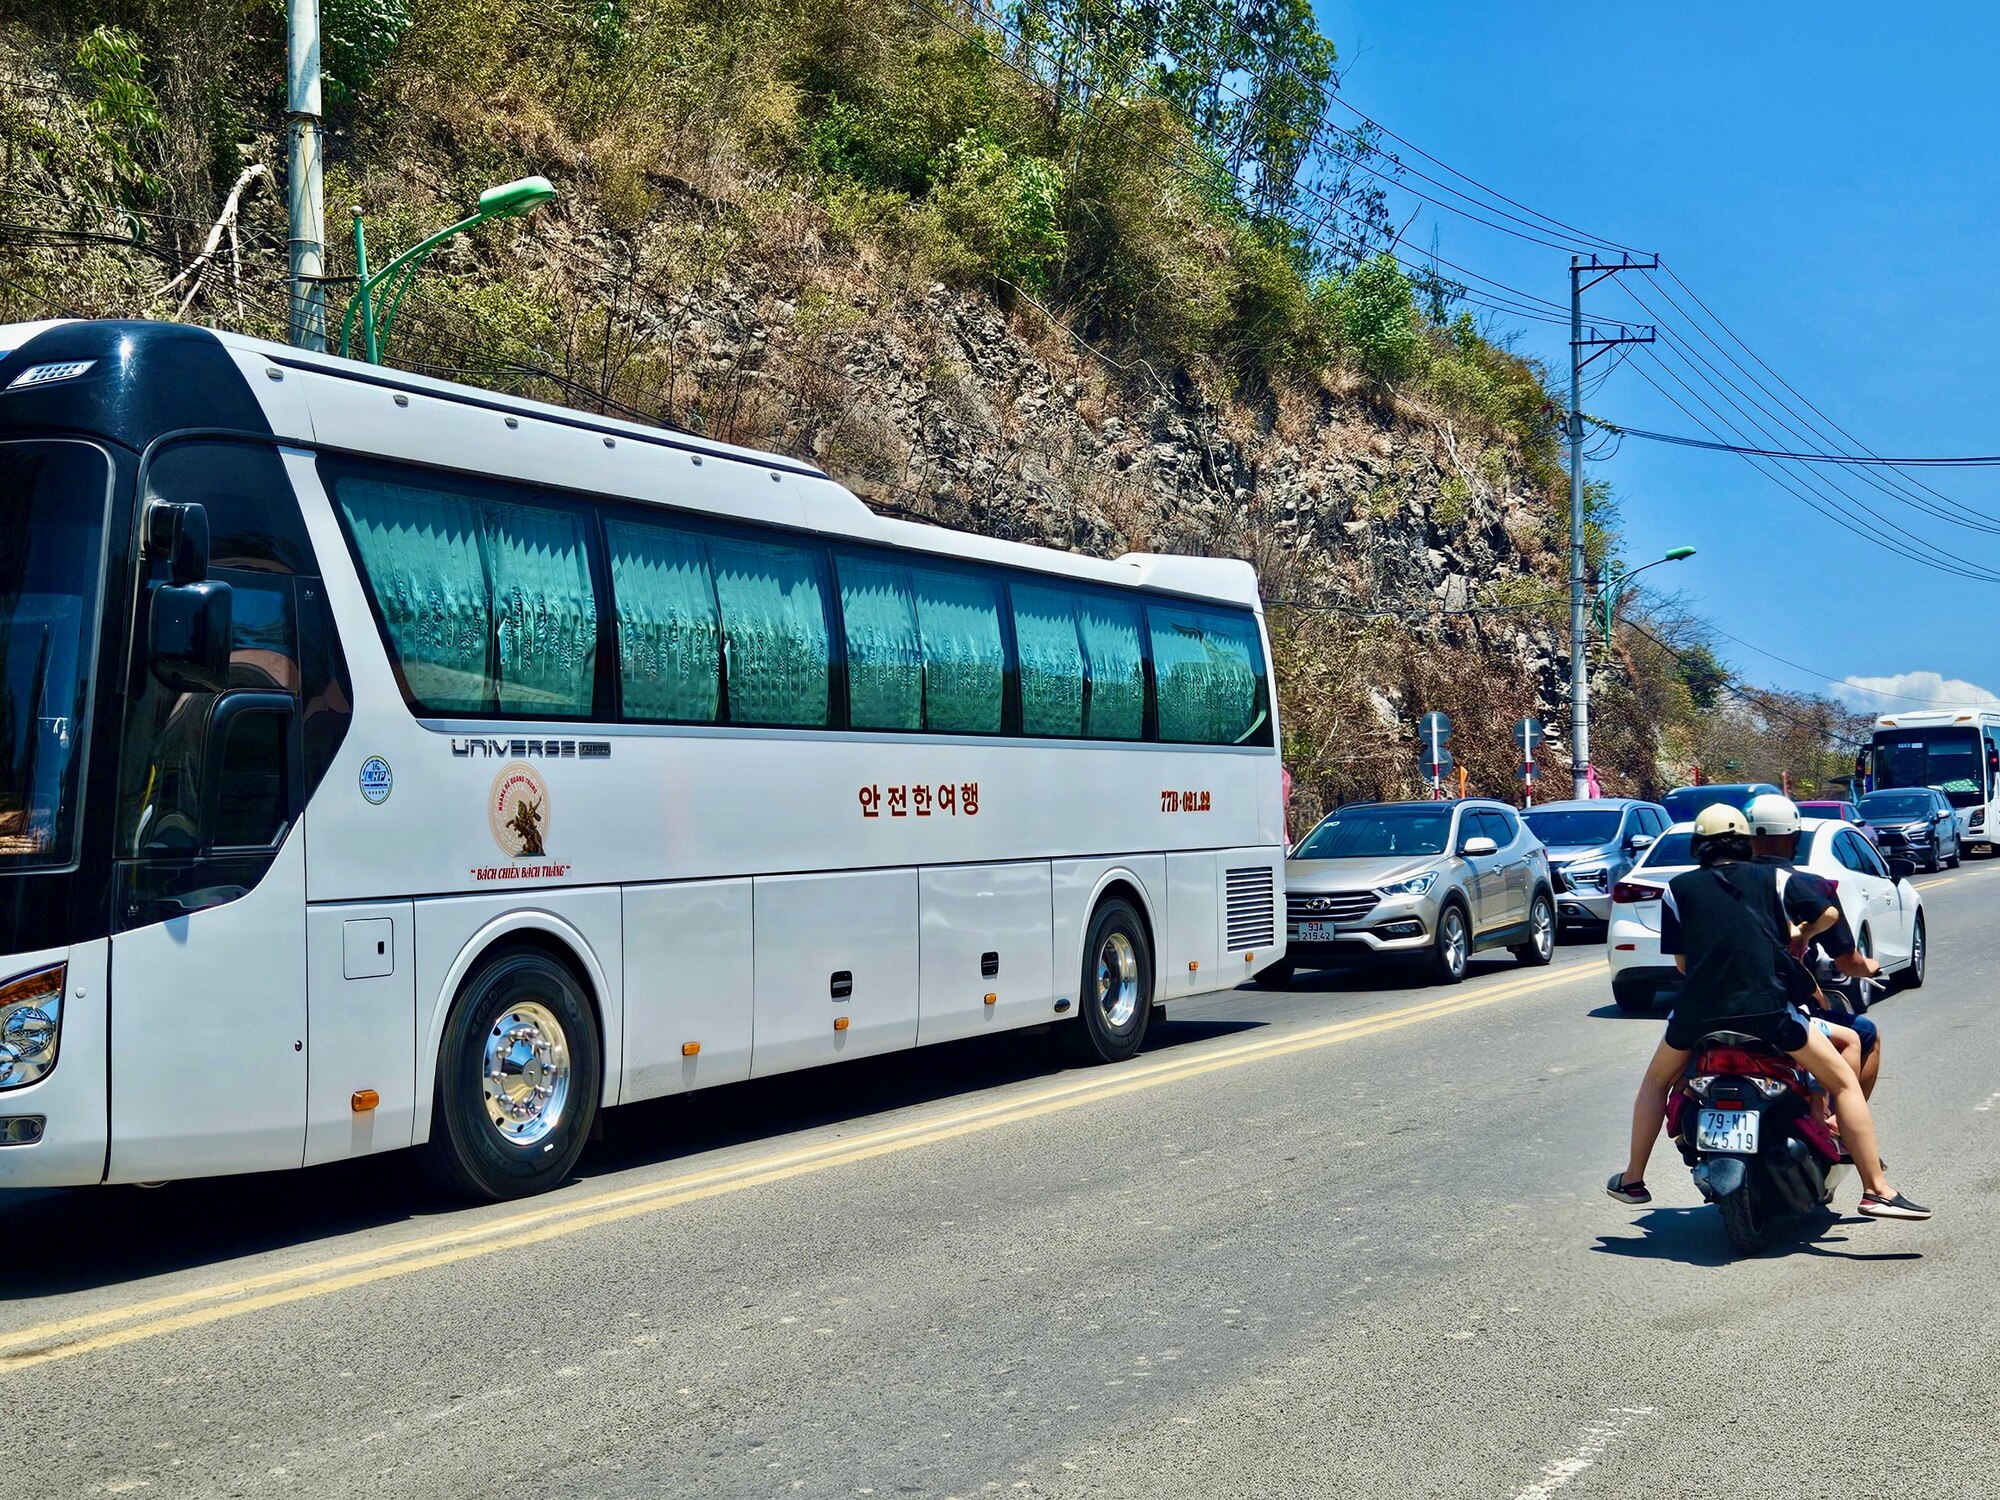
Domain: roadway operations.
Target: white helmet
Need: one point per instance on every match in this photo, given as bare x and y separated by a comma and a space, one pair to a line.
1771, 816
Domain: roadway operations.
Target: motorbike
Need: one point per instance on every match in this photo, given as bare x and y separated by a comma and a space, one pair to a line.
1742, 1117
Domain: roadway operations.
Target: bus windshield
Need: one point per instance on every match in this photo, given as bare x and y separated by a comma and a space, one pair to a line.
1948, 759
52, 503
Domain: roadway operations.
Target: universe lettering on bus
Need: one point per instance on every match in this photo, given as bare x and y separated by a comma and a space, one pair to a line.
947, 799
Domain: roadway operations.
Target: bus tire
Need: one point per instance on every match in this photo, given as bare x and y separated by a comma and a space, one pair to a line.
1115, 992
518, 1081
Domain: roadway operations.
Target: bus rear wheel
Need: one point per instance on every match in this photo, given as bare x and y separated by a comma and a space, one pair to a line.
1115, 993
519, 1078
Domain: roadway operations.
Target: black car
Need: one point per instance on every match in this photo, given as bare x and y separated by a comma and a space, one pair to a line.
1915, 822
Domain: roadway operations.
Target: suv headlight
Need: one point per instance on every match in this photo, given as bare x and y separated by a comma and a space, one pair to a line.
30, 1025
1593, 876
1416, 885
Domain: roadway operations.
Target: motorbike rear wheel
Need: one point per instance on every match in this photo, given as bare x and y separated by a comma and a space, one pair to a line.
1748, 1214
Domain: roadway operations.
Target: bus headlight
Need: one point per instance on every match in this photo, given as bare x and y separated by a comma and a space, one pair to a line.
30, 1025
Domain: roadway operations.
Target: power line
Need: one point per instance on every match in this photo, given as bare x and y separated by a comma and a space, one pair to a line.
1843, 460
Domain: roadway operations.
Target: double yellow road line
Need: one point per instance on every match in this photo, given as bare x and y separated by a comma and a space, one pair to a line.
555, 1219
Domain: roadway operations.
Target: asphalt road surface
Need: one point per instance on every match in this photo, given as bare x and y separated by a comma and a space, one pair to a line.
1345, 1239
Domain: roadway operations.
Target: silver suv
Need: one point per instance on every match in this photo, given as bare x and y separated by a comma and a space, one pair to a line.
1591, 846
1432, 882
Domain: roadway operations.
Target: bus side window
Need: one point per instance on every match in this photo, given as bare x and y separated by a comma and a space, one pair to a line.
1209, 671
1045, 633
776, 645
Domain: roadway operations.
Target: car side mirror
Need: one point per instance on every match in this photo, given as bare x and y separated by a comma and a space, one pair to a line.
177, 531
1639, 842
1900, 868
187, 635
1477, 846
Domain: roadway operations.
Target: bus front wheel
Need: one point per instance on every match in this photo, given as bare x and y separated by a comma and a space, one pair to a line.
519, 1078
1116, 989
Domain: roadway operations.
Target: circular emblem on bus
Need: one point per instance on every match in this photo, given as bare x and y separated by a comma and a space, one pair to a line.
517, 810
376, 780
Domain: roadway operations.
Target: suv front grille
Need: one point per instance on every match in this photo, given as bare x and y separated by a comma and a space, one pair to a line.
1336, 906
1250, 909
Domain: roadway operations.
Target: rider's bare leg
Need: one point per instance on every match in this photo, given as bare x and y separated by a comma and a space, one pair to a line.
1850, 1106
1649, 1109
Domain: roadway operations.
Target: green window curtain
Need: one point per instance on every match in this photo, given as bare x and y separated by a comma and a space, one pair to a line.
1209, 672
965, 655
544, 610
421, 554
669, 640
1110, 630
1051, 661
774, 632
885, 658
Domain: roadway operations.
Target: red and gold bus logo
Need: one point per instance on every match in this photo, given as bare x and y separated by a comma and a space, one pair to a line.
517, 810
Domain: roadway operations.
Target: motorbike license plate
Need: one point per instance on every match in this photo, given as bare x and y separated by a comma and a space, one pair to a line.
1317, 932
1733, 1131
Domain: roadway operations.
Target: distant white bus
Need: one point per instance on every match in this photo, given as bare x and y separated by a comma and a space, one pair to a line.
1956, 752
385, 763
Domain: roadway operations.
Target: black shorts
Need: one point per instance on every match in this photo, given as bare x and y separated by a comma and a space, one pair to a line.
1784, 1029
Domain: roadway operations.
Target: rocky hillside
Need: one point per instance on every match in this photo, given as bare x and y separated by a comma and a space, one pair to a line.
1389, 470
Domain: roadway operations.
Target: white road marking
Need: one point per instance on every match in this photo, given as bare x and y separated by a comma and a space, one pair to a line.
1597, 1437
1987, 1107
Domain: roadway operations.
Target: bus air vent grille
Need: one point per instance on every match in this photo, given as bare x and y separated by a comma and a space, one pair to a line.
1251, 908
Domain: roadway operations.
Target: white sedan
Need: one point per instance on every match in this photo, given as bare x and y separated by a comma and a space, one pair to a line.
1881, 906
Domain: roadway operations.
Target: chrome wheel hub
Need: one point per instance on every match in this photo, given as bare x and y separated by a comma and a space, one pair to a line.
1454, 940
525, 1072
1545, 924
1117, 980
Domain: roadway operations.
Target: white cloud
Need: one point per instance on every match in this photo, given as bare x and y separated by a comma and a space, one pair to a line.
1912, 690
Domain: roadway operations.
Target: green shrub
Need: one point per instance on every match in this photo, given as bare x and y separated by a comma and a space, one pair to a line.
1005, 206
123, 113
359, 36
1378, 319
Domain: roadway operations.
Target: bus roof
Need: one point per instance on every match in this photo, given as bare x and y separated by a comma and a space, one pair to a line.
1928, 718
324, 400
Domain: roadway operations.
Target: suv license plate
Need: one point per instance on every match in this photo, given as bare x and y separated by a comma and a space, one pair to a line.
1317, 932
1732, 1131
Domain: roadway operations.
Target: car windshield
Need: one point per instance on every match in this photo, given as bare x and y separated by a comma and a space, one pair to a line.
1372, 832
1574, 826
1670, 852
1944, 758
1896, 805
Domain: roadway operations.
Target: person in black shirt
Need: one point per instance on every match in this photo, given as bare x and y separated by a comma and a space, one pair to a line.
1813, 906
1726, 926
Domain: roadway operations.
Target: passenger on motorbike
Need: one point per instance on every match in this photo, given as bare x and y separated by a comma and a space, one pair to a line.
1725, 924
1813, 907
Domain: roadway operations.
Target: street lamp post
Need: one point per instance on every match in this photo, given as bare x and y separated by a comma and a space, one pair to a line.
378, 294
1613, 589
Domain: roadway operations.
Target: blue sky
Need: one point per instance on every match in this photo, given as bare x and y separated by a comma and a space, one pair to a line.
1827, 179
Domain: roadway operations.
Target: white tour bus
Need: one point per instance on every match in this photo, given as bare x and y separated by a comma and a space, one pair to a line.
386, 763
1958, 752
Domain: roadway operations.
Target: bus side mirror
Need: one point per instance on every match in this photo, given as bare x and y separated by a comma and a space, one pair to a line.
178, 532
187, 635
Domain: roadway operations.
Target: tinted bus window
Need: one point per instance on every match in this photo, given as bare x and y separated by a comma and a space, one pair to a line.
885, 653
965, 655
486, 603
1115, 656
775, 641
1045, 639
669, 633
1208, 670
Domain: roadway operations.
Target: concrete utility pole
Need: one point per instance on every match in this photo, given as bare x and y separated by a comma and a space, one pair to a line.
1579, 602
305, 195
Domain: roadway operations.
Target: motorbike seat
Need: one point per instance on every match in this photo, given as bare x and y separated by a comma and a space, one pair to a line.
1733, 1039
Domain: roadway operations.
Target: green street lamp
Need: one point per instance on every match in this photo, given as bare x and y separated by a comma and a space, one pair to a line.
1614, 587
378, 294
